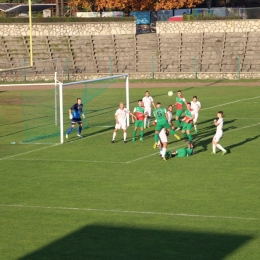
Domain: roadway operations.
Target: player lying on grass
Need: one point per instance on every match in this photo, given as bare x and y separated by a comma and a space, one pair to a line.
219, 132
161, 122
182, 152
120, 117
75, 114
188, 122
140, 114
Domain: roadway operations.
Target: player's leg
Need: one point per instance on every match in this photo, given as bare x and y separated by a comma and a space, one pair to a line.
71, 128
149, 111
80, 128
195, 123
169, 128
164, 150
125, 134
177, 117
218, 136
135, 129
184, 128
188, 131
117, 126
141, 124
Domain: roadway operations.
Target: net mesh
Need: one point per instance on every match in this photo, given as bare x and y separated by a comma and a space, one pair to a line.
41, 116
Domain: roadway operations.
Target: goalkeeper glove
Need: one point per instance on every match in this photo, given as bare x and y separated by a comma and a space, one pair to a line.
70, 116
83, 116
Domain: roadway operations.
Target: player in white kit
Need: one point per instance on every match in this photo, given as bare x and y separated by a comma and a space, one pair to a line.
163, 143
195, 106
120, 117
148, 102
169, 116
219, 124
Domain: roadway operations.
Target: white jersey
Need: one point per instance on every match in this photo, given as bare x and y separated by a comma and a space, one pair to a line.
169, 114
195, 106
147, 102
122, 114
220, 125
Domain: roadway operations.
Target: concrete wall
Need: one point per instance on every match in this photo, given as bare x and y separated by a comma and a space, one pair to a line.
208, 26
68, 29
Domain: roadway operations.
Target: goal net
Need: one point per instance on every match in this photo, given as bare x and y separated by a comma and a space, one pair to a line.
46, 111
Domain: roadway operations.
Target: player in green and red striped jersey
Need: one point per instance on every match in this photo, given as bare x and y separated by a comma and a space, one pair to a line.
140, 113
188, 122
180, 101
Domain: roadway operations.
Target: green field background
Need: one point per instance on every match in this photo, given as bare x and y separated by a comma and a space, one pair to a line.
90, 199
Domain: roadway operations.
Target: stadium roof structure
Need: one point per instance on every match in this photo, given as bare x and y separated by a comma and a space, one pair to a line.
24, 8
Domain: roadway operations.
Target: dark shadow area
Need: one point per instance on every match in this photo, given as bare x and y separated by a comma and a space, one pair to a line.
241, 143
213, 83
106, 242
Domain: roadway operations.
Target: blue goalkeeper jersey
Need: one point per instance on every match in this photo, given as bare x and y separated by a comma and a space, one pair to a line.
77, 110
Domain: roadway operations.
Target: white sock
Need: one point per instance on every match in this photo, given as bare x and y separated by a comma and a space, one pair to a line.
114, 136
214, 148
195, 127
148, 121
163, 152
220, 147
124, 136
160, 151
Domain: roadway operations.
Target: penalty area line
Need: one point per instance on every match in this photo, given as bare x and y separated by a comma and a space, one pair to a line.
239, 100
132, 212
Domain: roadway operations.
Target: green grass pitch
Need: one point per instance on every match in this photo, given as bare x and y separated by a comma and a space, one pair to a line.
90, 199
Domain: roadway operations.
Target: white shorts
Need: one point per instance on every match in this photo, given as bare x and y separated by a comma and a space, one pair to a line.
121, 125
195, 117
148, 110
217, 136
163, 136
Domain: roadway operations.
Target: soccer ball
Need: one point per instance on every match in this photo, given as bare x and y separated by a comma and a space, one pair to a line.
170, 93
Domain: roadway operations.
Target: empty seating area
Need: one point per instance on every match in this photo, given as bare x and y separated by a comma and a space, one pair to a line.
176, 52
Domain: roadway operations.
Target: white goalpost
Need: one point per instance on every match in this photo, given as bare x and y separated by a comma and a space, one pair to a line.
93, 88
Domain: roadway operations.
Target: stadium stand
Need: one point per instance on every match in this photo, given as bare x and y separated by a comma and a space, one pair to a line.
214, 52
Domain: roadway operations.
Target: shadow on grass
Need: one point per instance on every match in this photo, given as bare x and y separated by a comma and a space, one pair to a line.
106, 242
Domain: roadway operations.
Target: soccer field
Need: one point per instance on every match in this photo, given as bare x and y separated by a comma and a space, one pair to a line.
90, 199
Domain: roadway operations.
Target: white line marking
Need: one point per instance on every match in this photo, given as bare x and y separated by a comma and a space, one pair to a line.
132, 212
140, 158
242, 127
231, 102
57, 160
248, 118
8, 157
31, 84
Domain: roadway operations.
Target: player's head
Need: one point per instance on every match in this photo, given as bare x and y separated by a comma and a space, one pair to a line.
194, 98
121, 105
147, 94
190, 145
158, 104
220, 114
170, 108
179, 93
79, 101
188, 105
140, 102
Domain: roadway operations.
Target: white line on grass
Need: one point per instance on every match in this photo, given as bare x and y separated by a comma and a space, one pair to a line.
132, 212
239, 100
9, 157
140, 158
60, 160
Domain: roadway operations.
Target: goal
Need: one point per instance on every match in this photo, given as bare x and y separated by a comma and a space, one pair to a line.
46, 114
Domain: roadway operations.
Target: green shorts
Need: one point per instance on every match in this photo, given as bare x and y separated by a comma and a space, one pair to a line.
160, 125
178, 113
139, 123
187, 126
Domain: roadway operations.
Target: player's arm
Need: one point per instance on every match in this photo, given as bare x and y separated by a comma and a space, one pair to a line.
82, 114
133, 117
153, 105
215, 122
70, 113
116, 118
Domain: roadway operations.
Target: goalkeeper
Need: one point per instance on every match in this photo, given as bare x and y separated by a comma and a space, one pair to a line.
75, 114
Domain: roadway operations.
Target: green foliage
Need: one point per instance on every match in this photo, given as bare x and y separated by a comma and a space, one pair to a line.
185, 17
65, 19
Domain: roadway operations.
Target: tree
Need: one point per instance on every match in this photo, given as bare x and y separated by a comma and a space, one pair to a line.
136, 5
